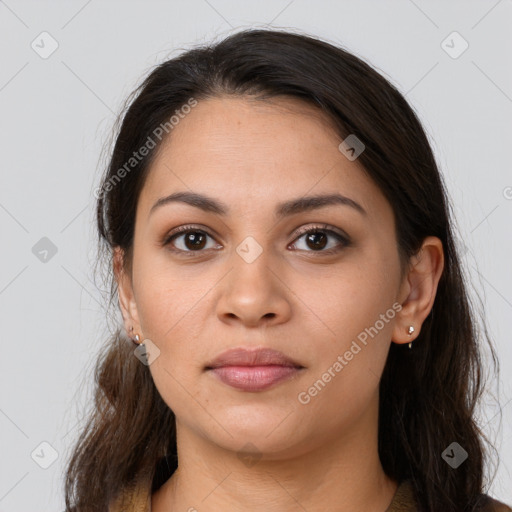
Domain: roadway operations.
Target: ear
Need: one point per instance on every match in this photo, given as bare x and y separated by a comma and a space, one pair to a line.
418, 289
126, 296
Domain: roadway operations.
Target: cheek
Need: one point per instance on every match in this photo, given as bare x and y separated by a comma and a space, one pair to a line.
349, 300
354, 334
173, 309
166, 299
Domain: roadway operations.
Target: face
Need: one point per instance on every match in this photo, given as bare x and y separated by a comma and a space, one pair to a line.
249, 277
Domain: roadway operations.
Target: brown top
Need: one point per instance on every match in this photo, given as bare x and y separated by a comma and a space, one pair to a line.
138, 499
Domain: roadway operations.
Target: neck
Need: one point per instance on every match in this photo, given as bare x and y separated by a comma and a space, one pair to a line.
340, 474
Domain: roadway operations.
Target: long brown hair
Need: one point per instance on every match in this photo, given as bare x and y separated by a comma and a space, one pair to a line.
428, 395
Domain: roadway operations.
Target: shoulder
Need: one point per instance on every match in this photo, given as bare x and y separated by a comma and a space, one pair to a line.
404, 500
133, 498
491, 505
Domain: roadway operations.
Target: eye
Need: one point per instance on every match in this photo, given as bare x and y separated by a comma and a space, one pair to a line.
192, 239
317, 239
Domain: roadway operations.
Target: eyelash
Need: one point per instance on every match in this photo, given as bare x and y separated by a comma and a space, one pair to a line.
325, 228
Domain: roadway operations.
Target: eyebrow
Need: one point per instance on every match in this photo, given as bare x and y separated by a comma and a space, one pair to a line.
291, 207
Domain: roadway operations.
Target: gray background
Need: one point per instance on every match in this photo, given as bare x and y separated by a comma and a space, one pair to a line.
57, 112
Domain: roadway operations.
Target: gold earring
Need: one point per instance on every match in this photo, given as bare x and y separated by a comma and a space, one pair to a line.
410, 330
135, 339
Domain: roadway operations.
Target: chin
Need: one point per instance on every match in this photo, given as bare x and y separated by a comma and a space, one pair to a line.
268, 429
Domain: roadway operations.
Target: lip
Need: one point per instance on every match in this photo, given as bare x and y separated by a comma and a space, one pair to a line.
253, 370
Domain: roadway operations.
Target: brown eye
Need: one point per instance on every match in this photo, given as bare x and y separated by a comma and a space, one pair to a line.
187, 239
316, 239
194, 240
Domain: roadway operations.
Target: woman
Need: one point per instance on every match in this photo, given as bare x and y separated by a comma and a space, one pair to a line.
280, 241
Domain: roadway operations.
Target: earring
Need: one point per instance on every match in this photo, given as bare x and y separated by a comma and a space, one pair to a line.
135, 340
410, 330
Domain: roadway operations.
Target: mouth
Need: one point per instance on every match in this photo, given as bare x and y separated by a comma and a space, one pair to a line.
253, 370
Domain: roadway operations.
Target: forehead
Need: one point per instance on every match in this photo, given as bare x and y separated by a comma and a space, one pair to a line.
250, 152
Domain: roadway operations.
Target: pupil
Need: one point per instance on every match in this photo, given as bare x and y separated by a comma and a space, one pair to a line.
197, 240
317, 244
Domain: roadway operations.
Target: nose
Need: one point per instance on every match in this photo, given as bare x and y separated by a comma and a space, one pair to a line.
254, 294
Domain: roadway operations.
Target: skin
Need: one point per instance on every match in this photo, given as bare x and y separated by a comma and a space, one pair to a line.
321, 456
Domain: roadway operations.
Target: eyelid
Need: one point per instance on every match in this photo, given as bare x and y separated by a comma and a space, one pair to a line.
322, 227
181, 230
342, 237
